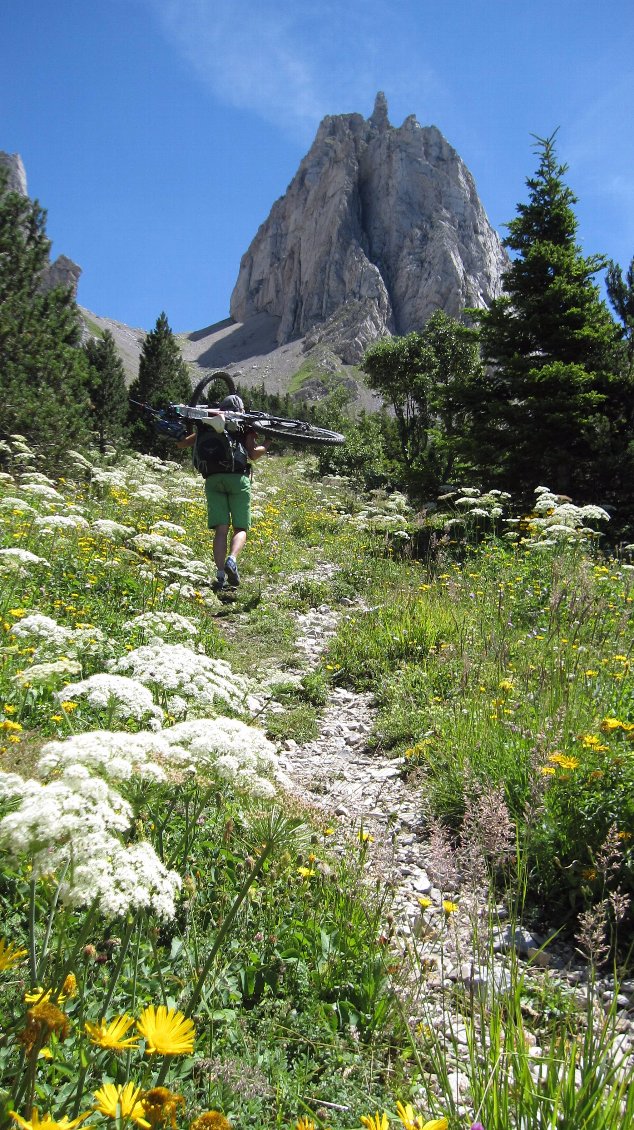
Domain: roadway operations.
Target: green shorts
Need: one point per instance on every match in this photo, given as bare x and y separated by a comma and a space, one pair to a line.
228, 498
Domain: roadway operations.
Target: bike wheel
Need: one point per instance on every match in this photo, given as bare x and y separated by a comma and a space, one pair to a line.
202, 385
295, 431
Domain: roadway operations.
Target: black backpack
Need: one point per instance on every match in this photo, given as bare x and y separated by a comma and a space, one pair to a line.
217, 453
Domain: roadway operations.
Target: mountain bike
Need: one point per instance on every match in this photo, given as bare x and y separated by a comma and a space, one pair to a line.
170, 421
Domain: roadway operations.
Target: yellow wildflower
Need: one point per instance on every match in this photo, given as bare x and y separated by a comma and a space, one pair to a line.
121, 1102
113, 1035
211, 1120
10, 955
375, 1122
166, 1031
46, 1122
160, 1106
449, 907
411, 1120
563, 761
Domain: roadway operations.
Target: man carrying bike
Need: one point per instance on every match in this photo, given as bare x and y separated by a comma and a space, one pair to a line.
223, 452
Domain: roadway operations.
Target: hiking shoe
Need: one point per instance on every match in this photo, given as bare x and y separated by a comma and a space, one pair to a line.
218, 584
231, 572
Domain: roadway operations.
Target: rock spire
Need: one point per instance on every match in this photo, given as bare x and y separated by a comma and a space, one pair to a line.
384, 219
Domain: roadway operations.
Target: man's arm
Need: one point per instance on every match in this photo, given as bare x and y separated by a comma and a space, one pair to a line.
255, 450
189, 441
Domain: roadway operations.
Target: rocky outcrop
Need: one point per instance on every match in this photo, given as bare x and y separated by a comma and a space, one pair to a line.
16, 182
63, 271
383, 220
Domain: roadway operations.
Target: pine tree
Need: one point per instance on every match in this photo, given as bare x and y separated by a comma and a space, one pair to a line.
107, 390
551, 342
163, 379
42, 370
621, 294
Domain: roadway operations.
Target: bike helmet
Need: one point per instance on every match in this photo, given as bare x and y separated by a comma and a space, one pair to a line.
232, 403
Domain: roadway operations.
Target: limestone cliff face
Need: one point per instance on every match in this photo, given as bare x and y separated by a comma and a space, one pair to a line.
385, 219
62, 272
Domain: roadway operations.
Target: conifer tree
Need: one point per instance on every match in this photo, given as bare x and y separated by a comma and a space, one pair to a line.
546, 403
42, 368
163, 379
621, 294
107, 390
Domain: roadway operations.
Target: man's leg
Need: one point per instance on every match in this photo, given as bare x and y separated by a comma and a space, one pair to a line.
240, 505
231, 566
220, 546
238, 542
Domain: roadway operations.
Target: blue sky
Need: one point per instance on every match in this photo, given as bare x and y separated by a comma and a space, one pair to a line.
158, 133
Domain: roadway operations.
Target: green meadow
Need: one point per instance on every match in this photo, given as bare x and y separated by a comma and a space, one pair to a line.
181, 945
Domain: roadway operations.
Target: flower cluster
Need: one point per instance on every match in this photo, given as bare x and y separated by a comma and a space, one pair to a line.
157, 626
113, 754
72, 827
124, 698
113, 531
179, 672
556, 520
239, 754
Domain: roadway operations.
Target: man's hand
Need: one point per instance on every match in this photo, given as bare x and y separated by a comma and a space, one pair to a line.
171, 429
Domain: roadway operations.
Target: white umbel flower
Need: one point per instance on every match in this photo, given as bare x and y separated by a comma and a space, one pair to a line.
176, 669
73, 826
60, 522
160, 625
126, 698
14, 555
237, 753
113, 754
113, 531
156, 545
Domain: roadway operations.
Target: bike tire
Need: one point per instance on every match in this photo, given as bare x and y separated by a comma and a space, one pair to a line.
202, 385
295, 431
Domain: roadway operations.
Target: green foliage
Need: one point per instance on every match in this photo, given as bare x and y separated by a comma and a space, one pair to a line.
549, 405
369, 456
107, 390
621, 294
163, 379
424, 376
42, 370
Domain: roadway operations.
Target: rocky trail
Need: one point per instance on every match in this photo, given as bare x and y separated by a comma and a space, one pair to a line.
365, 794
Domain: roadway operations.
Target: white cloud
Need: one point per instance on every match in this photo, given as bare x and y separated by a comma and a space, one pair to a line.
292, 63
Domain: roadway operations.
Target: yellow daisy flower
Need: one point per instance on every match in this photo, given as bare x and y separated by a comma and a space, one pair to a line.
211, 1120
375, 1122
46, 1122
38, 995
411, 1120
69, 988
43, 1019
10, 955
160, 1106
112, 1035
166, 1031
449, 907
121, 1102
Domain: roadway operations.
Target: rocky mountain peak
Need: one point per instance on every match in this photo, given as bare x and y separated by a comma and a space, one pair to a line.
383, 218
